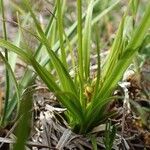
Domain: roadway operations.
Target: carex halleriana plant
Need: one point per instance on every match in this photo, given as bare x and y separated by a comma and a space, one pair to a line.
14, 97
84, 97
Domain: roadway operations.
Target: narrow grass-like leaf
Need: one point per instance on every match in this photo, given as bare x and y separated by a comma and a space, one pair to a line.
61, 31
29, 76
17, 8
115, 51
16, 87
13, 56
141, 30
109, 136
72, 29
7, 79
94, 142
72, 103
134, 6
25, 82
79, 34
87, 40
103, 13
96, 81
23, 130
17, 50
93, 112
64, 76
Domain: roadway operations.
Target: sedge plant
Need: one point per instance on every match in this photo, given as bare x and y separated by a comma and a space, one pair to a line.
51, 33
84, 97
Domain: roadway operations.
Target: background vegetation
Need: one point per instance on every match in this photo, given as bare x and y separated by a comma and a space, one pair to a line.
57, 47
